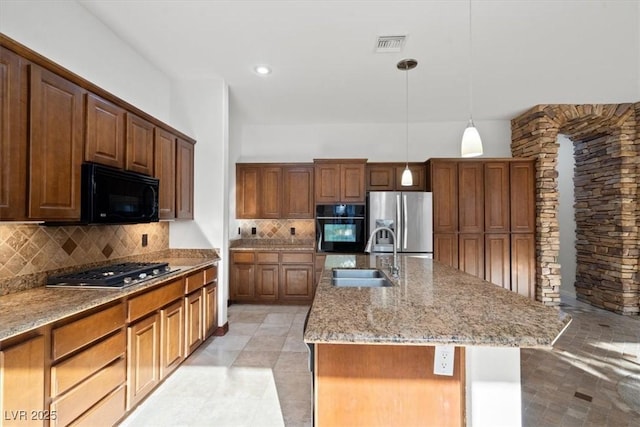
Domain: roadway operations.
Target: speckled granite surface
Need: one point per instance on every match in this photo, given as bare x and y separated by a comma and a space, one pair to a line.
428, 304
30, 309
272, 245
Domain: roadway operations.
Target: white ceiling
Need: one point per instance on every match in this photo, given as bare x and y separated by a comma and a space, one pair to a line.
525, 52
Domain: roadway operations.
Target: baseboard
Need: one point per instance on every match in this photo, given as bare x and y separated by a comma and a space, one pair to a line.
221, 330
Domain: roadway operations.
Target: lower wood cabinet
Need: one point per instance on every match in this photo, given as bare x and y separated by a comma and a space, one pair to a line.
143, 367
172, 348
22, 373
272, 277
194, 321
445, 248
498, 259
523, 266
471, 254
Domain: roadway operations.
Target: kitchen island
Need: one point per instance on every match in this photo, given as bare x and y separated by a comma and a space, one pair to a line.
374, 348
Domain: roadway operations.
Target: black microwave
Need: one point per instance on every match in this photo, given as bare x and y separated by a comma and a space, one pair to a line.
113, 196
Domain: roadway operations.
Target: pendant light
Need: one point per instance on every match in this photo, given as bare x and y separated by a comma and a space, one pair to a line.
471, 143
406, 65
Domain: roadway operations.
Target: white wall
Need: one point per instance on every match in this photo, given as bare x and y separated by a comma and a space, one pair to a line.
566, 216
69, 35
379, 142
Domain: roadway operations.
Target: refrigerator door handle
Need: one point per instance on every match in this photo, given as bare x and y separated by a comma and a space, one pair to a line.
400, 225
404, 225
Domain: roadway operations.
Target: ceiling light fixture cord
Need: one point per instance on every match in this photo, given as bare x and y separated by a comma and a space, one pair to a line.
471, 145
406, 65
406, 71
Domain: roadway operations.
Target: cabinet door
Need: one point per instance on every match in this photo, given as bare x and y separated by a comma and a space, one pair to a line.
498, 259
185, 152
523, 198
327, 183
352, 189
418, 174
104, 141
496, 197
13, 142
444, 185
55, 147
247, 191
470, 197
267, 280
172, 337
445, 248
165, 171
139, 145
298, 192
381, 177
296, 282
210, 309
22, 382
143, 358
471, 254
194, 321
523, 264
271, 192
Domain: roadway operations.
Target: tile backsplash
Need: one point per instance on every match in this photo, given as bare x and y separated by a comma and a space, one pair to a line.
30, 248
278, 229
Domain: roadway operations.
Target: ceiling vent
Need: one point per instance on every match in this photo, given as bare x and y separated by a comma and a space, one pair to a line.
390, 43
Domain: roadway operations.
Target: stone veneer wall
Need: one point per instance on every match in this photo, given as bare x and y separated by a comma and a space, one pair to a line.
606, 139
30, 251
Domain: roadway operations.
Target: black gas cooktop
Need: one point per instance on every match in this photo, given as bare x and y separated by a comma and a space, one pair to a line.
114, 276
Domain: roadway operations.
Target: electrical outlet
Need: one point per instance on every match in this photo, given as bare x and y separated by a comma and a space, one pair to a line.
292, 230
238, 230
443, 360
253, 230
145, 240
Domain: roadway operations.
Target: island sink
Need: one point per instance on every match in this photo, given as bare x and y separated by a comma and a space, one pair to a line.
360, 277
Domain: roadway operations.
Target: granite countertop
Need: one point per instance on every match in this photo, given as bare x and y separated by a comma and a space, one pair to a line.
430, 303
272, 245
23, 311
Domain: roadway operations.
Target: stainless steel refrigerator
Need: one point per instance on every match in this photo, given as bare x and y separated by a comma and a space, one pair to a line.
408, 214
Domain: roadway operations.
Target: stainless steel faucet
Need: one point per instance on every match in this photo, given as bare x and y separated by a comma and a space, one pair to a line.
395, 270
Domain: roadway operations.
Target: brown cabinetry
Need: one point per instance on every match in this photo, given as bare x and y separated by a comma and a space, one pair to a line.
194, 321
104, 136
13, 134
210, 301
185, 152
339, 181
272, 277
297, 192
270, 201
484, 219
22, 377
172, 329
165, 171
55, 146
247, 191
139, 156
143, 370
388, 177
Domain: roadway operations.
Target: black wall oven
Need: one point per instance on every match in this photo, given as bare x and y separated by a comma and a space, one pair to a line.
341, 228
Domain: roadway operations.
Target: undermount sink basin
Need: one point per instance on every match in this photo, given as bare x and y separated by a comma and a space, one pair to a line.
360, 277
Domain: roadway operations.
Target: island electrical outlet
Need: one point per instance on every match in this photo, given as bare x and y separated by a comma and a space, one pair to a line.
443, 360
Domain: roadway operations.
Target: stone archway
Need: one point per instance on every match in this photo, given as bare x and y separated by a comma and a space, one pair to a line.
606, 140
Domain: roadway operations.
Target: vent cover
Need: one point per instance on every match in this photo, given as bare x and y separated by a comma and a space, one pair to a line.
390, 43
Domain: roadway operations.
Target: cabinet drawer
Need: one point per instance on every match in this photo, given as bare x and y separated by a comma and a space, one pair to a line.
106, 412
83, 397
267, 257
210, 274
72, 371
297, 258
151, 301
75, 335
193, 282
243, 257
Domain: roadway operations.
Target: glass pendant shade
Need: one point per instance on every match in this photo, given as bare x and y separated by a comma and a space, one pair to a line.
471, 142
407, 177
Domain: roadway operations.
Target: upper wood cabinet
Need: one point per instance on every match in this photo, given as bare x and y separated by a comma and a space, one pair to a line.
523, 199
443, 182
165, 171
496, 195
388, 177
340, 181
273, 190
13, 138
298, 192
185, 152
139, 145
470, 197
105, 124
55, 146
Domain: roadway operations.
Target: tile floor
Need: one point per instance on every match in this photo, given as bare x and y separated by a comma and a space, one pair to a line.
257, 375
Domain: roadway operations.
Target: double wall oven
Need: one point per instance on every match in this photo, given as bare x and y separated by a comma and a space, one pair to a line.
341, 228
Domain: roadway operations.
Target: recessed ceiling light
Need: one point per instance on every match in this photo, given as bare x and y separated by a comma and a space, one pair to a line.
262, 70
